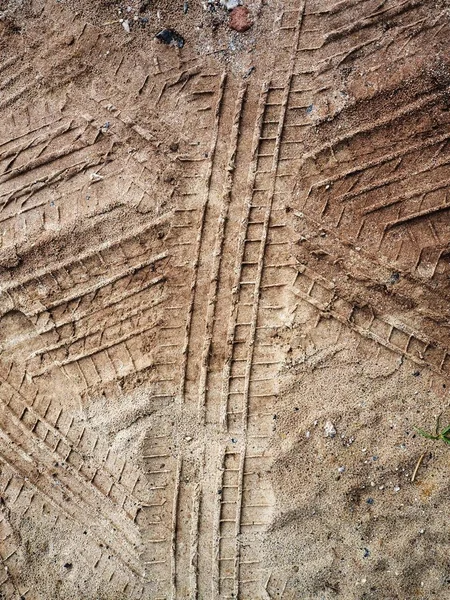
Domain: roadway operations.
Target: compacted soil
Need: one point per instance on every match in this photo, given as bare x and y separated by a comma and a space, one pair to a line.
224, 299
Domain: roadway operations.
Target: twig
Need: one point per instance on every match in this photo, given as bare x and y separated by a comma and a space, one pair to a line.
438, 423
419, 462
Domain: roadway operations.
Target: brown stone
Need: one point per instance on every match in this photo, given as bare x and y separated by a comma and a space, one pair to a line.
239, 19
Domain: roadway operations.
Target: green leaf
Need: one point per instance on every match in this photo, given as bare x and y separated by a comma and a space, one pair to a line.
425, 434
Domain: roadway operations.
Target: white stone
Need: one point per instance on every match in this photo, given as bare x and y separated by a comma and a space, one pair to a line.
230, 4
330, 429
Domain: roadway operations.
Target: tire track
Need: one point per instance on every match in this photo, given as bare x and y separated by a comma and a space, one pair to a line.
204, 242
217, 254
368, 322
107, 474
26, 500
158, 514
78, 322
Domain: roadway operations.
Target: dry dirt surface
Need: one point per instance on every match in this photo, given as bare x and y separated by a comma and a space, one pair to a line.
224, 300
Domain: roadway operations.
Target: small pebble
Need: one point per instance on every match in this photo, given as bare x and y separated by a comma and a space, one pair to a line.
170, 37
329, 429
249, 72
394, 278
230, 4
239, 19
94, 177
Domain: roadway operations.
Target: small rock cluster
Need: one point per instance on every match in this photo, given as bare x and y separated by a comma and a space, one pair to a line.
240, 20
129, 16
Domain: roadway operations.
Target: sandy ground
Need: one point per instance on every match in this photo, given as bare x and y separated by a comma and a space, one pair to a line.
224, 283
